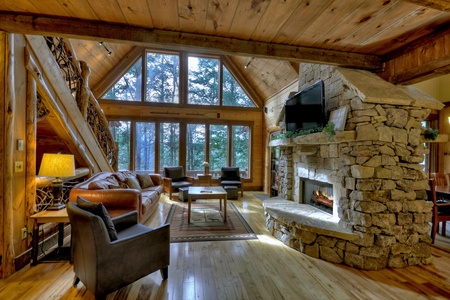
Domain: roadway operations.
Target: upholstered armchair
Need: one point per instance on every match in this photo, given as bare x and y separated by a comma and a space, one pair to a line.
174, 178
104, 262
230, 176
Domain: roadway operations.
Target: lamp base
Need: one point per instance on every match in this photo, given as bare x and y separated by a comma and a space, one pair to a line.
56, 206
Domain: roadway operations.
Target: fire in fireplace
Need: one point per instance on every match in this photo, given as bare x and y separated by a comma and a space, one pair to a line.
317, 193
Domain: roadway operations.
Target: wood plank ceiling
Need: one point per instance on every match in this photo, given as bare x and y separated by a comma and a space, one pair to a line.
270, 34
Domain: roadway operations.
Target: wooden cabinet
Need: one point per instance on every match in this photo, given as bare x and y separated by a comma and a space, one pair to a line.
274, 175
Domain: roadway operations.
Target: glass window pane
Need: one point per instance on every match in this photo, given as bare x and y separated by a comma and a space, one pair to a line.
218, 147
144, 156
169, 144
121, 131
162, 78
129, 87
195, 149
233, 94
241, 148
203, 81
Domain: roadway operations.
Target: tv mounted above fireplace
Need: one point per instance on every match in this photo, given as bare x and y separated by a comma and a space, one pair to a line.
306, 109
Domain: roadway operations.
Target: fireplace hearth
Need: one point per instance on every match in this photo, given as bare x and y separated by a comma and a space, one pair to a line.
318, 194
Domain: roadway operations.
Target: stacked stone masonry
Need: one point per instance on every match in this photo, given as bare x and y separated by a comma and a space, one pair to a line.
378, 181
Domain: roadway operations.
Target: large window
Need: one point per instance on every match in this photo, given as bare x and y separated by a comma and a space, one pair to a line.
169, 144
195, 147
209, 81
162, 83
218, 147
121, 131
241, 148
203, 81
144, 154
129, 87
158, 144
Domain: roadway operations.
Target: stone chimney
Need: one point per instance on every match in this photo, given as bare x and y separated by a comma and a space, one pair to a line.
379, 182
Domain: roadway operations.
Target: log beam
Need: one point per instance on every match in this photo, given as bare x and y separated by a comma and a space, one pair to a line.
421, 60
162, 39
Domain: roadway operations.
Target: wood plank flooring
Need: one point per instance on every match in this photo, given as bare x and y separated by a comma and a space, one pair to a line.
252, 269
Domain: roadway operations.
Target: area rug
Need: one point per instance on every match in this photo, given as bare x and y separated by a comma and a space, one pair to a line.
207, 223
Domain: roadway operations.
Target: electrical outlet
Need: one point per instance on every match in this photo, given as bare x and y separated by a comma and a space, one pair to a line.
24, 233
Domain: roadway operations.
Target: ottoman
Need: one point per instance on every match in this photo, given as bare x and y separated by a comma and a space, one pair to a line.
232, 191
183, 194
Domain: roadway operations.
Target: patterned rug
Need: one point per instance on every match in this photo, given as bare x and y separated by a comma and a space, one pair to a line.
207, 223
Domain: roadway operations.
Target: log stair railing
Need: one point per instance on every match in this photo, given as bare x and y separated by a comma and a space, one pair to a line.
76, 74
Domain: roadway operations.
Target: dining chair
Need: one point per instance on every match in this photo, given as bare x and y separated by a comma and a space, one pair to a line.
440, 178
441, 211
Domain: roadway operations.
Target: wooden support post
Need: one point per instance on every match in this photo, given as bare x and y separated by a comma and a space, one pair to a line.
8, 252
31, 116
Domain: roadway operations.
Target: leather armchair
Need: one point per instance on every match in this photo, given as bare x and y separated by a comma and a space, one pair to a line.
174, 179
230, 177
104, 266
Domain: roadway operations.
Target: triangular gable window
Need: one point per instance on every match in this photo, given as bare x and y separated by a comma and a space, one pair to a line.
233, 94
129, 86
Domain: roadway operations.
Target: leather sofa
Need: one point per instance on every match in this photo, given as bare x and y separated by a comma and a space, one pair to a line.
121, 192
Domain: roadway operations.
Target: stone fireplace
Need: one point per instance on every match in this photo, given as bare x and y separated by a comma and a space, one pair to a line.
379, 215
317, 193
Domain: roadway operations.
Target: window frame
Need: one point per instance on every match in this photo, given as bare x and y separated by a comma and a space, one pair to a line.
183, 81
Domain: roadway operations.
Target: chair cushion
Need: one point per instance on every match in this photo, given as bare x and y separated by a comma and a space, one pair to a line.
99, 209
144, 180
179, 184
230, 182
133, 183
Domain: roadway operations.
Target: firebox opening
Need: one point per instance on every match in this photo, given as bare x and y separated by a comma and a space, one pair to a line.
318, 194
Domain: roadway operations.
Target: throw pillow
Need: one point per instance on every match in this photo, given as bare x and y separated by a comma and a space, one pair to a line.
99, 209
120, 176
99, 185
144, 180
119, 186
133, 183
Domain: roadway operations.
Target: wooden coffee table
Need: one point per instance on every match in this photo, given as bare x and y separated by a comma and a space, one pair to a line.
208, 192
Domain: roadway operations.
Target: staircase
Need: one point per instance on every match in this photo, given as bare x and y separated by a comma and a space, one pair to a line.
69, 105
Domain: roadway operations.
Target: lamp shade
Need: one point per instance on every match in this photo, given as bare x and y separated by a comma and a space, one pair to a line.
57, 165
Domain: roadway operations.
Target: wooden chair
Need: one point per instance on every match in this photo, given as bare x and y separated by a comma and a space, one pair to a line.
174, 178
440, 178
441, 211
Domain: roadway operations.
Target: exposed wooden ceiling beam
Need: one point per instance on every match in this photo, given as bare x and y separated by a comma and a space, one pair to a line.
443, 5
119, 33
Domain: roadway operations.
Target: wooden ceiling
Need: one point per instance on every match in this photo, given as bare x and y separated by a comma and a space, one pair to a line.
274, 35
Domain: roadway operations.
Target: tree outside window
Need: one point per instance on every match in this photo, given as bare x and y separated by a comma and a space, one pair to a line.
121, 131
144, 154
195, 147
129, 86
169, 144
218, 147
241, 149
163, 72
203, 81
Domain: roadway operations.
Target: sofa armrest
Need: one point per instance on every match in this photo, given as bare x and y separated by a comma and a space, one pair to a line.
156, 178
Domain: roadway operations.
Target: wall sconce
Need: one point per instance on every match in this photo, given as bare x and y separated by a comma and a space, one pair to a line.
57, 165
448, 120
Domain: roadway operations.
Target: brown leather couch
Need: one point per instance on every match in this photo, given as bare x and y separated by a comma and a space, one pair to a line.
119, 193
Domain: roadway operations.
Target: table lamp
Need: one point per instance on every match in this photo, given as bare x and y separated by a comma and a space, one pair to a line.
57, 165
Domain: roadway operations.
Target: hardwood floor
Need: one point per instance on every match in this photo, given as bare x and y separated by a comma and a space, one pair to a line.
251, 269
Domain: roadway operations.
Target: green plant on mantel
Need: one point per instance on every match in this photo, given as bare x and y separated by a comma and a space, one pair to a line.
328, 130
431, 134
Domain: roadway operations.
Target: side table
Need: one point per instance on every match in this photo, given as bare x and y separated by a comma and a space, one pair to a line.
204, 179
47, 216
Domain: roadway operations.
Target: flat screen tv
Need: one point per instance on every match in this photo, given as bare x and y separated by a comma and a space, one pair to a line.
306, 109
